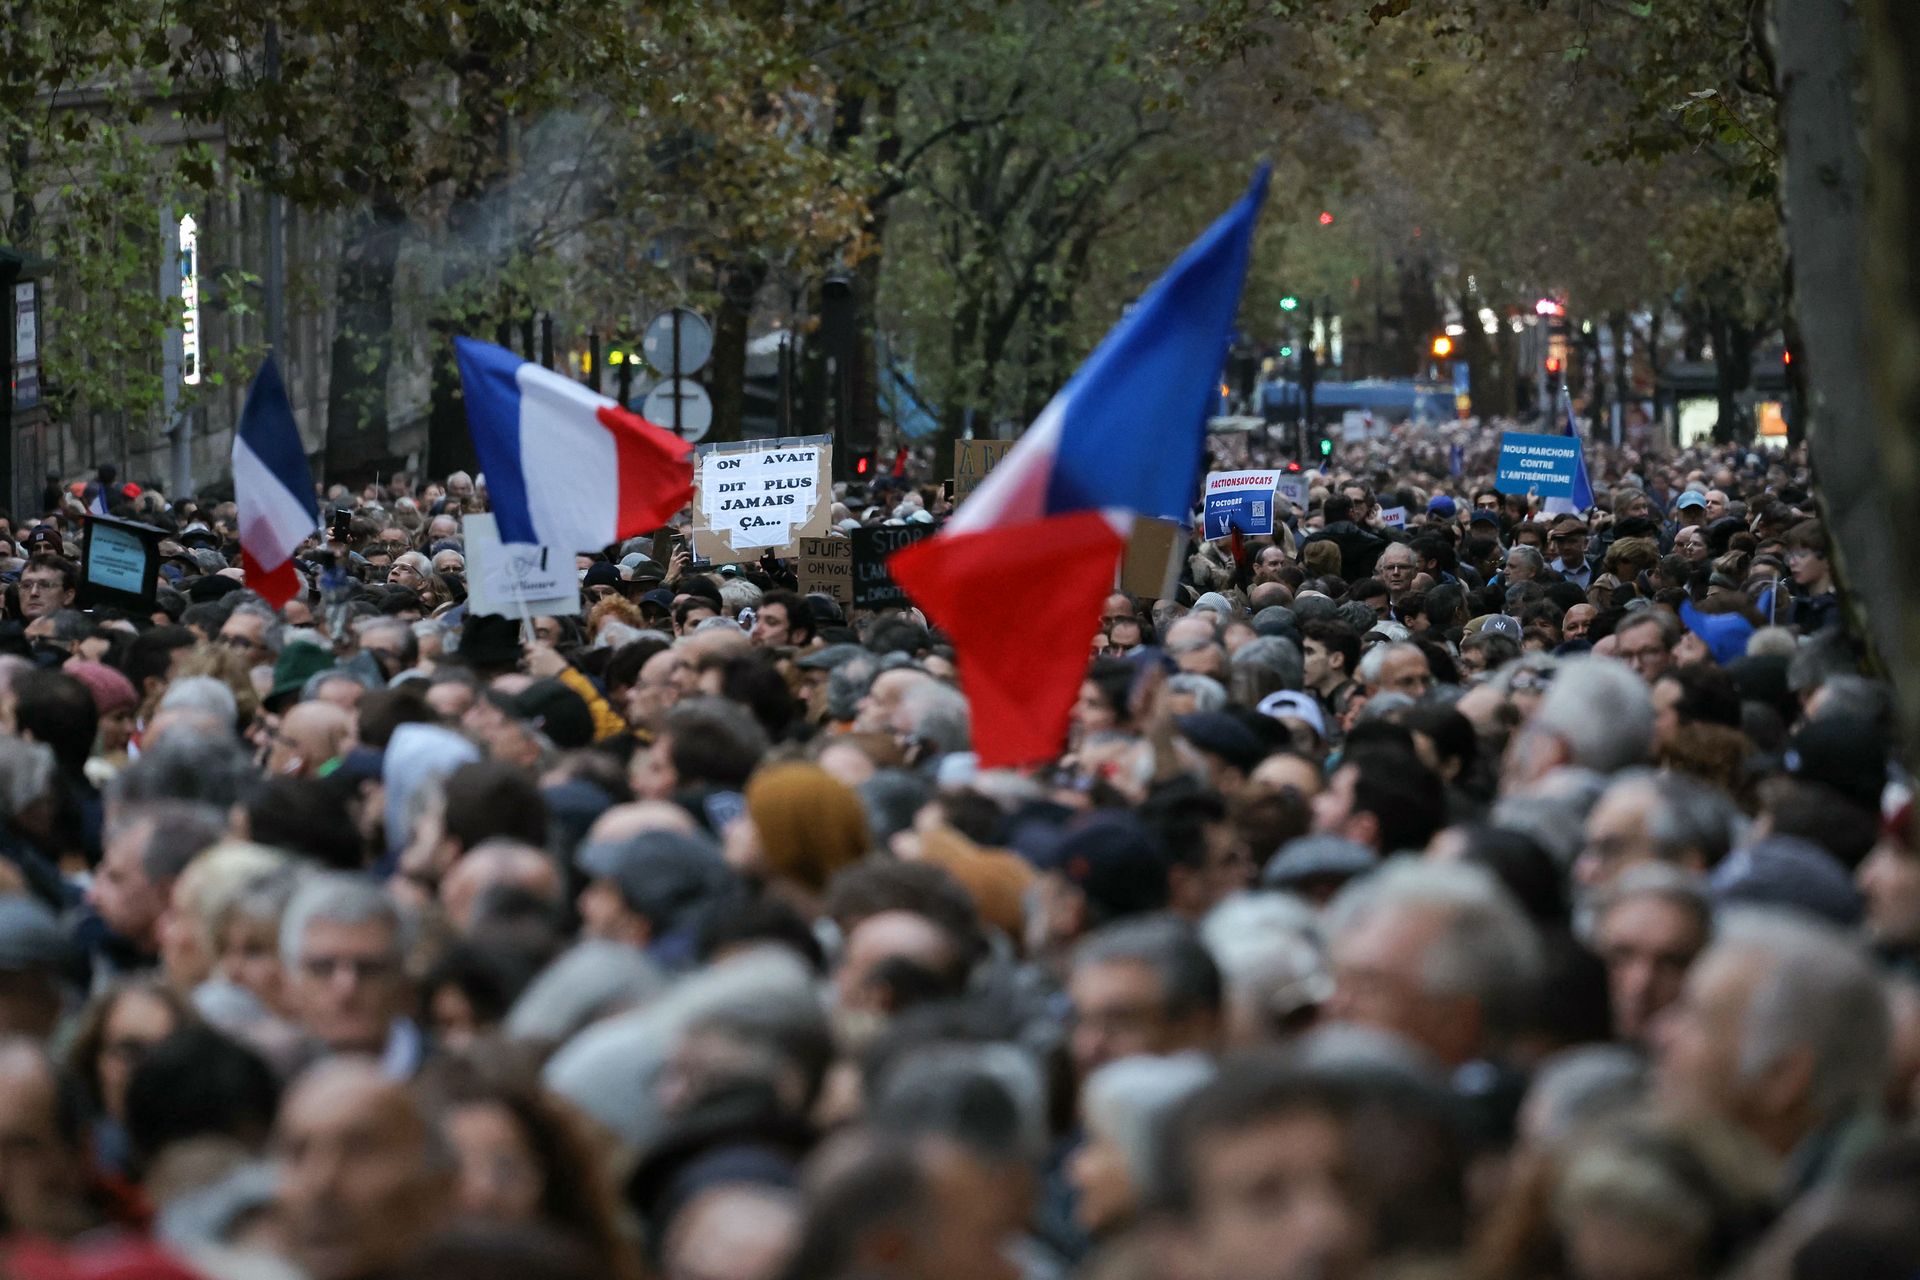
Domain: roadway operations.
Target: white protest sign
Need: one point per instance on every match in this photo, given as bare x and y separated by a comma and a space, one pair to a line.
1354, 425
513, 578
764, 496
1393, 517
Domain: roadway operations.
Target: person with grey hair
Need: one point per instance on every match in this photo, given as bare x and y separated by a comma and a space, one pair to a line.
1396, 667
1576, 1087
1273, 965
1645, 816
1783, 1029
1124, 1109
1144, 984
206, 769
343, 944
1437, 953
1523, 564
1264, 665
146, 847
1597, 714
1195, 693
737, 594
254, 631
28, 775
389, 645
931, 721
200, 701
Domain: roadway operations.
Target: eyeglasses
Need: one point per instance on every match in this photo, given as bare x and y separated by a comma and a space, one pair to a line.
241, 643
361, 968
34, 586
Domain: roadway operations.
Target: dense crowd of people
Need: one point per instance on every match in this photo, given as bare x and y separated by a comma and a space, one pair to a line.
1496, 893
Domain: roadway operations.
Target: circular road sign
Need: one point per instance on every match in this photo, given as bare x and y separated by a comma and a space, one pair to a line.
696, 342
696, 408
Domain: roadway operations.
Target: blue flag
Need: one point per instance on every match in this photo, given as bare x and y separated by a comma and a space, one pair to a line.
1582, 499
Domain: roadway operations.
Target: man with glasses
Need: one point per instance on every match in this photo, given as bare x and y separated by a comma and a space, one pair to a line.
1645, 643
47, 584
253, 631
343, 942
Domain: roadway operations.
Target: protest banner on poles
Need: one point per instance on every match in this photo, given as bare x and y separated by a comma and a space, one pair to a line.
825, 567
1240, 500
972, 460
756, 496
873, 586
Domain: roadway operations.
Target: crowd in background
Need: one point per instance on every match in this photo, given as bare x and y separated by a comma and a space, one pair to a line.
1491, 893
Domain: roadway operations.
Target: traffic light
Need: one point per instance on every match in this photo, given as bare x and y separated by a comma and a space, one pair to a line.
1290, 303
1326, 217
1286, 351
1326, 446
863, 463
1553, 366
1442, 347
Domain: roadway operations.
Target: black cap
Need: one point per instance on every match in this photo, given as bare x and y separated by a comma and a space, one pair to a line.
1219, 734
663, 875
40, 536
1114, 860
601, 574
556, 711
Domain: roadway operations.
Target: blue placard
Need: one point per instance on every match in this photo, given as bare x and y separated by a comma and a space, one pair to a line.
1240, 500
1541, 465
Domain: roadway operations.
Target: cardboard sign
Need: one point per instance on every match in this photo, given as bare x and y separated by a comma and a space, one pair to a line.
825, 567
873, 586
1151, 565
1240, 500
759, 495
1542, 465
119, 564
1393, 517
514, 578
972, 460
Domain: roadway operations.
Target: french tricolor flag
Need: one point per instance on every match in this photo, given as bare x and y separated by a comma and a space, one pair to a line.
566, 467
1017, 577
273, 489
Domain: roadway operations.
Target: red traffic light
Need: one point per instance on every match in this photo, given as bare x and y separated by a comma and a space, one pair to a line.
1293, 466
1326, 217
861, 463
1553, 365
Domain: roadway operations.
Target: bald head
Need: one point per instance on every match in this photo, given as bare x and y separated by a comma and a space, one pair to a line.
624, 821
311, 734
364, 1176
497, 864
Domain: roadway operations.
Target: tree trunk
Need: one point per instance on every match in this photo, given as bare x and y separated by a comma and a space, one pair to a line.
727, 375
1862, 457
362, 353
1893, 314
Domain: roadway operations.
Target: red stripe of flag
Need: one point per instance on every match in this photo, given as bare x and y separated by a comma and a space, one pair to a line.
276, 585
656, 471
1021, 604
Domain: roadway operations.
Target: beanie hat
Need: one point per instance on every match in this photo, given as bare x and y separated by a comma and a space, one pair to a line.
810, 824
111, 691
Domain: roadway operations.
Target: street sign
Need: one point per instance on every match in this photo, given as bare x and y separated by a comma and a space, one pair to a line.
682, 401
678, 342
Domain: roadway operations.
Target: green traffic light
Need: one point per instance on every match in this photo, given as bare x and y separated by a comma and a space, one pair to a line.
1286, 351
1326, 447
1289, 303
